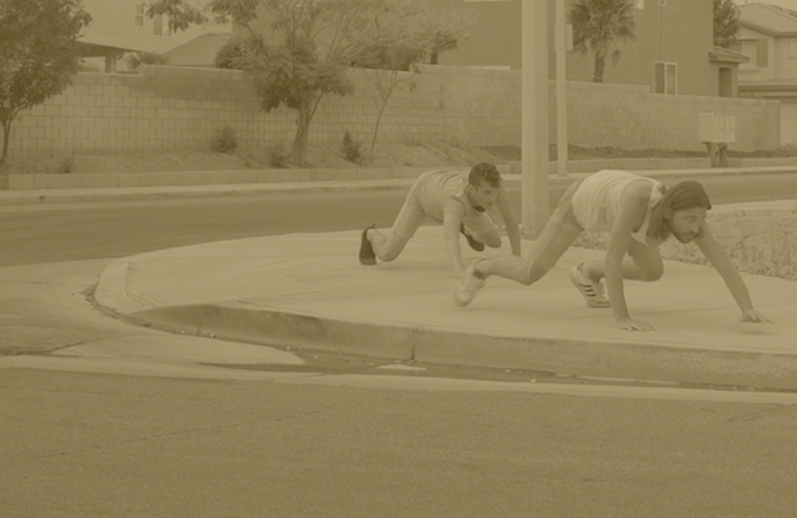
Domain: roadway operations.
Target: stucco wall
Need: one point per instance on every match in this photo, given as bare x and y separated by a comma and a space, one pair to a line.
181, 108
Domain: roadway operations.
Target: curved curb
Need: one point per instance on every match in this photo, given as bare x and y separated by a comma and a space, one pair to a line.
602, 359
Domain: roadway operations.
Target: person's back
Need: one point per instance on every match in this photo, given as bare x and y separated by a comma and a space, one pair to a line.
436, 188
596, 203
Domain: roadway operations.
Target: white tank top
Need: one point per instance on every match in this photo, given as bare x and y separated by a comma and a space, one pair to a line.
596, 202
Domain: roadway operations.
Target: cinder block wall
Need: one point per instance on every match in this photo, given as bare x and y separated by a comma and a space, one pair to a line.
174, 108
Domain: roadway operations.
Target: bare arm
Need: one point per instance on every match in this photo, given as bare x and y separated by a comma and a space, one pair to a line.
452, 220
719, 260
510, 221
633, 206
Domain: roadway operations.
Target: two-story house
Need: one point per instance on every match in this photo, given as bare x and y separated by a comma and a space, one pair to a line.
673, 52
120, 26
768, 37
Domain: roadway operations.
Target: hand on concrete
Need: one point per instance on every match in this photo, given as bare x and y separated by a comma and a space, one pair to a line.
629, 324
753, 316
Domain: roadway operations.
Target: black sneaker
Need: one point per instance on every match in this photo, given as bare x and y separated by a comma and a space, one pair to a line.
476, 245
367, 255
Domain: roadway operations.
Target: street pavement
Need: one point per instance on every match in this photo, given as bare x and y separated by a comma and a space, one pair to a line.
308, 291
400, 178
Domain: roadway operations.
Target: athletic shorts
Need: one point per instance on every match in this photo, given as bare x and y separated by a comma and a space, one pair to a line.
560, 232
412, 215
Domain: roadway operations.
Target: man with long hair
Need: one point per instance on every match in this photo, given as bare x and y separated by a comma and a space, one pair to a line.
640, 214
458, 200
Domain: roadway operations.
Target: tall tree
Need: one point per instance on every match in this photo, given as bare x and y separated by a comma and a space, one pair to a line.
298, 51
39, 54
598, 26
726, 22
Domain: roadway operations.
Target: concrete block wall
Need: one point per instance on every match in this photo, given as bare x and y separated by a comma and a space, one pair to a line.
177, 108
631, 117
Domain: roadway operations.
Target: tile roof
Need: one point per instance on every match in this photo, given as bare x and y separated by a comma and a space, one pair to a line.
723, 55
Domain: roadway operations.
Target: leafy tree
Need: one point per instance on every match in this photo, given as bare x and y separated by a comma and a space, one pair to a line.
39, 54
598, 25
726, 22
298, 51
442, 41
230, 54
383, 68
436, 27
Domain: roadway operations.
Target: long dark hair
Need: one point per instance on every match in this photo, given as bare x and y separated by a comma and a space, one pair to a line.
681, 196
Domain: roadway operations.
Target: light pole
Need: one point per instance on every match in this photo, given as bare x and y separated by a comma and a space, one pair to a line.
534, 120
562, 45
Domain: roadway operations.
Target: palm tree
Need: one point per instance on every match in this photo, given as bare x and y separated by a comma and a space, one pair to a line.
598, 25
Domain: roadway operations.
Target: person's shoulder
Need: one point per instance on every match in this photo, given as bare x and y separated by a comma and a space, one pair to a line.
639, 190
457, 197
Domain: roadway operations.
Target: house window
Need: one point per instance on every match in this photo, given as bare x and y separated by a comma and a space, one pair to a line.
757, 51
139, 15
157, 25
666, 78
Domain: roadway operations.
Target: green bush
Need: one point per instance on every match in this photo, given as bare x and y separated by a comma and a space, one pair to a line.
224, 141
351, 148
134, 59
277, 157
67, 164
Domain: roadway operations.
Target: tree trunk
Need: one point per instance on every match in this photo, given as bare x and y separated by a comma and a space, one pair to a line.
6, 137
600, 62
385, 99
299, 151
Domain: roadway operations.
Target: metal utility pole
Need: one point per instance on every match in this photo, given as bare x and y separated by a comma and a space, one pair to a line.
534, 146
563, 43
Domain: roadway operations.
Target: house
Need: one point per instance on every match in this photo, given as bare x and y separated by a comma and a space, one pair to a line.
121, 26
673, 52
198, 52
768, 37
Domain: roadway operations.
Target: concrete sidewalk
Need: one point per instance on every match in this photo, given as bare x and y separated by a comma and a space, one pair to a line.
309, 291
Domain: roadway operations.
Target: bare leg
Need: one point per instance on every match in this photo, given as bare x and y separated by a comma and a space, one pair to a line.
490, 238
522, 270
642, 264
386, 248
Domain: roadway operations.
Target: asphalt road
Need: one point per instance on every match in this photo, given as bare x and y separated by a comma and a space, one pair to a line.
77, 231
78, 445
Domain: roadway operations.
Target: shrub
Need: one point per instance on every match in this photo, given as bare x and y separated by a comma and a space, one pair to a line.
351, 148
67, 164
134, 59
277, 157
224, 141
